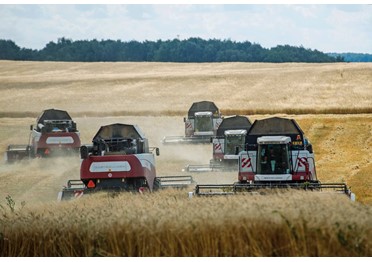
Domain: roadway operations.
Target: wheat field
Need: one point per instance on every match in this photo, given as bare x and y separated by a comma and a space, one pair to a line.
168, 224
331, 103
170, 88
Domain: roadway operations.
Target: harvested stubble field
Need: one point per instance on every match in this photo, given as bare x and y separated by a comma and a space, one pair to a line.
331, 102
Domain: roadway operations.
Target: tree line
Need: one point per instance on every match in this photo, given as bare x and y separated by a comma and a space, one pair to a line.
189, 50
353, 57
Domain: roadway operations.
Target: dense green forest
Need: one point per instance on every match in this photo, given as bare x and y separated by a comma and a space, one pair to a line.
190, 50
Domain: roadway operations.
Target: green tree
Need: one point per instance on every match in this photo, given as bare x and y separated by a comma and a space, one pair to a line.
9, 50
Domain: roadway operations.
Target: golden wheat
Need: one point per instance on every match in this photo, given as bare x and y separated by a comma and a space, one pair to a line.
159, 88
167, 223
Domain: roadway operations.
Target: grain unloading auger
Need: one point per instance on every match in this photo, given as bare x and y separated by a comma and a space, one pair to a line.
230, 138
277, 156
55, 133
119, 159
201, 124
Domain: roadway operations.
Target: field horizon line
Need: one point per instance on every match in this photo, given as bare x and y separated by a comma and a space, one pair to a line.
225, 112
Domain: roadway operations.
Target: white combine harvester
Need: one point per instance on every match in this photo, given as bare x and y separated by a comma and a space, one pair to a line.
277, 155
201, 124
229, 140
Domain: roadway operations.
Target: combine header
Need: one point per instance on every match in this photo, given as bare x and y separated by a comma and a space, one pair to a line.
277, 155
55, 133
201, 124
119, 160
230, 140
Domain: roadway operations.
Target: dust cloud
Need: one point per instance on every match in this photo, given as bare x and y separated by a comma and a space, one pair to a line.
37, 180
40, 180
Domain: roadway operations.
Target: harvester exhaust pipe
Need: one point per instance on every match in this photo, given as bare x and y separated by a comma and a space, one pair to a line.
84, 151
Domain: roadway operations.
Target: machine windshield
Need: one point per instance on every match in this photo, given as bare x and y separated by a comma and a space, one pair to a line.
273, 159
203, 123
233, 141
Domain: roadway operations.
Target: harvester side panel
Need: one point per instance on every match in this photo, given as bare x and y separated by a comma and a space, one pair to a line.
218, 148
189, 127
216, 123
303, 165
247, 161
148, 166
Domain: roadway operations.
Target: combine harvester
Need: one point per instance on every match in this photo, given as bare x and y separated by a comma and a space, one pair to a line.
277, 155
201, 124
55, 133
119, 160
229, 140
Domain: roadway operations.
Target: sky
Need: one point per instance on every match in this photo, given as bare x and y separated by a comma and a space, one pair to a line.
324, 27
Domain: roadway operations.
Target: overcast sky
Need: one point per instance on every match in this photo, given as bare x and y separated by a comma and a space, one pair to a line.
327, 28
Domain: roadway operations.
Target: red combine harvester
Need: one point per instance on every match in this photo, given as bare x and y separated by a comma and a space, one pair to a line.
277, 155
201, 124
119, 160
230, 138
55, 133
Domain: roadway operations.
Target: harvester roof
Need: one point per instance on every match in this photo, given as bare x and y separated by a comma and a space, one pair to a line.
234, 123
203, 106
119, 131
53, 114
275, 126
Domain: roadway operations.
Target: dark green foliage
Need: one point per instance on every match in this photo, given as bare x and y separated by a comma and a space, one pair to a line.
8, 50
288, 53
191, 50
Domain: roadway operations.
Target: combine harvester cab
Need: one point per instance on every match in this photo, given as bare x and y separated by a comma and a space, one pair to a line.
228, 142
277, 155
55, 133
277, 152
202, 122
119, 160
